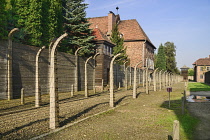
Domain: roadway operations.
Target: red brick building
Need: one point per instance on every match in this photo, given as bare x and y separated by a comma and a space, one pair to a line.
201, 67
139, 46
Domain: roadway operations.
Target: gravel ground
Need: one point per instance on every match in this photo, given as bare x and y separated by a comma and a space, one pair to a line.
201, 110
138, 119
132, 119
31, 122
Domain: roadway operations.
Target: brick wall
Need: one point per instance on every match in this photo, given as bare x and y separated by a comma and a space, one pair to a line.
133, 55
135, 52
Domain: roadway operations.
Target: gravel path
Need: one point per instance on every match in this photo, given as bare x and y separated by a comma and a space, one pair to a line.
201, 110
35, 121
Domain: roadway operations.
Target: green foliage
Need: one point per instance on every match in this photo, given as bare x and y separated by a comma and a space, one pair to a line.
170, 52
77, 26
55, 19
39, 21
3, 19
33, 24
161, 58
119, 47
190, 72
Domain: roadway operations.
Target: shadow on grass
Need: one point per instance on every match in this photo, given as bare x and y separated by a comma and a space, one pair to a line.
187, 121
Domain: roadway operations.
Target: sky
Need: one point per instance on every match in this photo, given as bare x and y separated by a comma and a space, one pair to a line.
186, 23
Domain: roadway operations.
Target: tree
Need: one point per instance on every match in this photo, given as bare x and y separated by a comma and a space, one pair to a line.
33, 23
55, 19
170, 52
77, 26
161, 58
3, 19
118, 41
190, 72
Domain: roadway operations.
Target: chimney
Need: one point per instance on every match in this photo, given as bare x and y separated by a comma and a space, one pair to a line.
111, 22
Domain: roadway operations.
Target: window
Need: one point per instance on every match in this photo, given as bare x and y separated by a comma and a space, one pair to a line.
208, 68
201, 68
201, 76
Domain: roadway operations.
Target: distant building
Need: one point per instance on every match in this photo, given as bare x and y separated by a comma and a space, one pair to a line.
139, 47
184, 72
201, 67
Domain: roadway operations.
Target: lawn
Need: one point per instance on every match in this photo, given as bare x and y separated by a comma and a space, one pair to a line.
195, 86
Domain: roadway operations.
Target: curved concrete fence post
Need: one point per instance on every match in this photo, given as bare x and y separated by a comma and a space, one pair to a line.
163, 79
126, 78
37, 93
49, 49
169, 79
144, 72
134, 80
130, 77
112, 81
166, 78
140, 70
124, 84
94, 72
147, 80
9, 64
86, 80
54, 106
160, 79
76, 70
155, 79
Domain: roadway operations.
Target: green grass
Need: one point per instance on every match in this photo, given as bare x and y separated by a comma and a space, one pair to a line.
187, 122
198, 87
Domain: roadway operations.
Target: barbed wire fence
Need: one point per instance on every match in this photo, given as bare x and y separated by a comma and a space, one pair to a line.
20, 116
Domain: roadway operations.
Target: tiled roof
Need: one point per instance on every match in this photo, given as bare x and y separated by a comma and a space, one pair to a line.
130, 29
99, 22
202, 62
99, 35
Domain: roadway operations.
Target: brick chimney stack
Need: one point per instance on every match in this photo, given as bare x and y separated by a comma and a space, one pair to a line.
111, 22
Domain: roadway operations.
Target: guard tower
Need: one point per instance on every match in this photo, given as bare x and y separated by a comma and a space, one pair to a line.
184, 72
